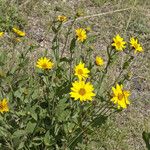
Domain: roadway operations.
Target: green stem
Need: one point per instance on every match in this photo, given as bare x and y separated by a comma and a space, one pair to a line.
123, 68
71, 54
106, 68
67, 37
55, 43
92, 122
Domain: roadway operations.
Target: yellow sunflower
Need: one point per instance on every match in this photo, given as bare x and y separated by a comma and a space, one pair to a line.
88, 29
134, 43
81, 34
82, 91
17, 40
62, 18
44, 63
120, 96
1, 34
99, 61
81, 72
18, 32
4, 106
119, 43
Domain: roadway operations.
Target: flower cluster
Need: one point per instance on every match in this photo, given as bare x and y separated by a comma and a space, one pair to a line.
17, 32
120, 96
58, 104
119, 44
82, 90
135, 45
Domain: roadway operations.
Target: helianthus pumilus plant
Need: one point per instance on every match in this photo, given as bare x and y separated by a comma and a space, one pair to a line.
60, 107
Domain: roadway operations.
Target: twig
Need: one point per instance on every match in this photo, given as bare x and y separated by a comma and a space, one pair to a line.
100, 14
130, 17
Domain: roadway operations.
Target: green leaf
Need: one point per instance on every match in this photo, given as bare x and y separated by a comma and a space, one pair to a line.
36, 141
54, 29
30, 127
48, 139
21, 146
3, 57
31, 111
63, 89
146, 138
45, 79
127, 63
98, 121
78, 138
18, 94
73, 44
35, 94
3, 132
69, 127
65, 59
62, 113
34, 115
19, 133
21, 113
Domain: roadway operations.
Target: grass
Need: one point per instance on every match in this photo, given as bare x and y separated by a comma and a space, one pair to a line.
36, 16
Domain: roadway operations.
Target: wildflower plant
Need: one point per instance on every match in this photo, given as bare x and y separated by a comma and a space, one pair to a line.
59, 99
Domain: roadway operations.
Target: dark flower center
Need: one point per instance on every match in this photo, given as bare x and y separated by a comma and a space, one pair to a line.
82, 91
120, 96
80, 71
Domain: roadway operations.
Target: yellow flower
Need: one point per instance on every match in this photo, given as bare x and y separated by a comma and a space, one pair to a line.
18, 32
81, 72
119, 43
1, 34
17, 40
4, 106
120, 96
99, 61
62, 18
2, 73
81, 34
134, 43
88, 29
44, 63
82, 91
80, 13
